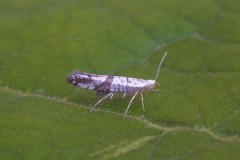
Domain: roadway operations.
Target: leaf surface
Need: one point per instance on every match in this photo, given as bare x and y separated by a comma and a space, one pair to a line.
194, 115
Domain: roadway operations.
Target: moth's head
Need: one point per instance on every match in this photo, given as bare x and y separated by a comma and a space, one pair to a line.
150, 85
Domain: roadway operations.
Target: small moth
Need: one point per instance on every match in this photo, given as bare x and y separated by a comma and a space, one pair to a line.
108, 85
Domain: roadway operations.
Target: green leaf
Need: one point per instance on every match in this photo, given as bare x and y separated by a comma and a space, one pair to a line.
194, 115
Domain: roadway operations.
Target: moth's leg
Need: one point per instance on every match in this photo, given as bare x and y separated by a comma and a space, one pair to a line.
130, 103
110, 94
124, 94
142, 102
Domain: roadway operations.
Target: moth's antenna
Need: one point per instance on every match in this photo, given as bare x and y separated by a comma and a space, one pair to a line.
159, 66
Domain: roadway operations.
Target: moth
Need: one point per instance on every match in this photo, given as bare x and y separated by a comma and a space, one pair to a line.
108, 85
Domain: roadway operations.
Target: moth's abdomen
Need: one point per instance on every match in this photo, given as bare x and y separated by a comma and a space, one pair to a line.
100, 83
85, 80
